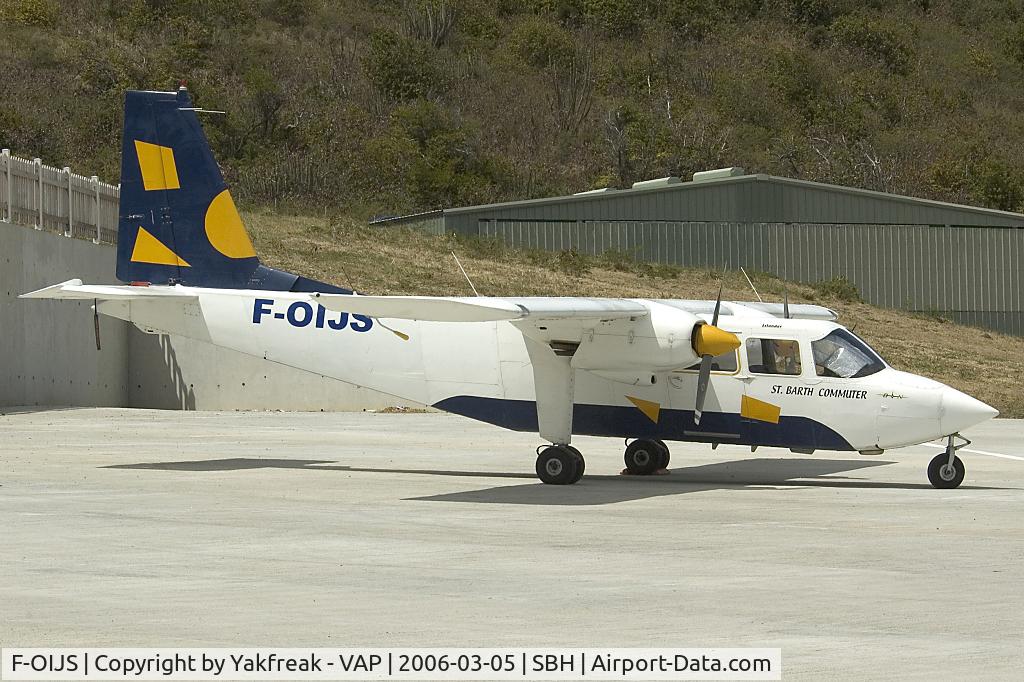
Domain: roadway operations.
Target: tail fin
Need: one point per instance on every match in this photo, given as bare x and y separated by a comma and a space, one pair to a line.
178, 222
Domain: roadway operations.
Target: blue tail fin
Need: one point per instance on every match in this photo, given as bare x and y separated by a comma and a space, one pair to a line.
178, 222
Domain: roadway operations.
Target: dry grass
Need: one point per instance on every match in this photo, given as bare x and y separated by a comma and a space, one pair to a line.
400, 261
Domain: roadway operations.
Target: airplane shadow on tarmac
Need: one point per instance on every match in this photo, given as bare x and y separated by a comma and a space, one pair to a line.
599, 489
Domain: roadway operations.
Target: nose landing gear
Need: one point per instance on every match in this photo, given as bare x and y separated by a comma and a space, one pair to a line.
946, 470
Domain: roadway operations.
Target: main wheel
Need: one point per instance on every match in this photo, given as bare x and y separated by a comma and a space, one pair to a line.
644, 456
581, 464
558, 465
664, 456
942, 475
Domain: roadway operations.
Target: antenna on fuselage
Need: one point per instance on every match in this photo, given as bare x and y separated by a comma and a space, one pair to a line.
751, 284
785, 304
464, 274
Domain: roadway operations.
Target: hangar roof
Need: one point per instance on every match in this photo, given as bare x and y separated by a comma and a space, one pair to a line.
741, 199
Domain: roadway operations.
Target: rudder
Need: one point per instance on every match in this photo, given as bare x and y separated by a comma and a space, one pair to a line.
178, 221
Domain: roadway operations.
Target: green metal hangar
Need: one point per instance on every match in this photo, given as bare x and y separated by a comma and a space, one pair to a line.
915, 254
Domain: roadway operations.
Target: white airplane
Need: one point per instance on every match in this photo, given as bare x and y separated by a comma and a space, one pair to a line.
649, 371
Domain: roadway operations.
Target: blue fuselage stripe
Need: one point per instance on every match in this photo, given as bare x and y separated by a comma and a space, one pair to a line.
629, 422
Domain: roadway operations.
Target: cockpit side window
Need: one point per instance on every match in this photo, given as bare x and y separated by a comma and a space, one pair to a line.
841, 354
773, 356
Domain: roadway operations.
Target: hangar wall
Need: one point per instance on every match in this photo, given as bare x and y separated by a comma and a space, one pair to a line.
970, 274
963, 262
48, 352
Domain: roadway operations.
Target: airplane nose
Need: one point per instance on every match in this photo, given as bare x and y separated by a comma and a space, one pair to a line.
960, 411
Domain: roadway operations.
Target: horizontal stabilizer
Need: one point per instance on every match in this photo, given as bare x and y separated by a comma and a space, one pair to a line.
481, 308
73, 289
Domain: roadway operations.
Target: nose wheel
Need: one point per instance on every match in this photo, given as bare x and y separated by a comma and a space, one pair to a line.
946, 470
560, 465
645, 456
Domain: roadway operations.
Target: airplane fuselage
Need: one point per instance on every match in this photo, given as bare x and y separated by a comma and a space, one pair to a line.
793, 399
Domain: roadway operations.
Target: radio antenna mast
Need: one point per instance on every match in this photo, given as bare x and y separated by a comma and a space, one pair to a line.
475, 292
751, 284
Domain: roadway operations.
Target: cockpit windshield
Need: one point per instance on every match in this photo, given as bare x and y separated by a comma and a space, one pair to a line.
841, 354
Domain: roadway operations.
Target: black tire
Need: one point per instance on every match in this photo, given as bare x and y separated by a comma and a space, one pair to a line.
665, 456
581, 464
643, 456
557, 465
941, 477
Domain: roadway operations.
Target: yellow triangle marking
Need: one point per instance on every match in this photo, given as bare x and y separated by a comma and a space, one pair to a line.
651, 409
149, 249
752, 408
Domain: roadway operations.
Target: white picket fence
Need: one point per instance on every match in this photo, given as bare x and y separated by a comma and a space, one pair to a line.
47, 198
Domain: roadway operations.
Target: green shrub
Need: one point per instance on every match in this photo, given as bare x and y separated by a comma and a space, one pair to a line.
542, 43
740, 10
813, 12
626, 261
484, 247
41, 13
477, 21
997, 185
614, 259
571, 262
401, 67
449, 168
838, 288
289, 12
693, 19
878, 39
617, 17
1014, 41
568, 12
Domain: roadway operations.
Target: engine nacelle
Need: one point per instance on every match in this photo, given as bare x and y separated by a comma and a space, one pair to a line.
660, 341
630, 378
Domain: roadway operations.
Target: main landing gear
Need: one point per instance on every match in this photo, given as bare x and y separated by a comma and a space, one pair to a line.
560, 465
644, 456
564, 465
946, 470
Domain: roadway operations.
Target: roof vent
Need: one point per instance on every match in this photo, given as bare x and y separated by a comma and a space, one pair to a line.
600, 190
658, 182
719, 174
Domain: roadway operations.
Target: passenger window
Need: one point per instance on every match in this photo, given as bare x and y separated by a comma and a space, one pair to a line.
726, 362
773, 356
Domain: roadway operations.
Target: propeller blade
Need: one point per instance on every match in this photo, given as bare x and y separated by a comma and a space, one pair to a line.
718, 305
703, 377
96, 321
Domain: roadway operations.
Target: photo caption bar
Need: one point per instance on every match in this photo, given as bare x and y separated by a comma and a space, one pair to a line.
268, 663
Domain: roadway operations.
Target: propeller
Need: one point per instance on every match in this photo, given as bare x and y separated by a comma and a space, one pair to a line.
96, 321
709, 341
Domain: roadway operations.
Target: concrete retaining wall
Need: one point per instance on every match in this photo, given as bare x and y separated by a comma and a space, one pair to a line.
48, 352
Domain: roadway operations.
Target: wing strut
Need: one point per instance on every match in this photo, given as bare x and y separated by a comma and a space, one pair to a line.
554, 380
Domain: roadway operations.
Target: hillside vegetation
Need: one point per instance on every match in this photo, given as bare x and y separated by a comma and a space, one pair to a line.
376, 260
391, 106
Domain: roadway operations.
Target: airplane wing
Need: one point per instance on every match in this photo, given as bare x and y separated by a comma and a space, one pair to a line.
482, 308
797, 311
73, 289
